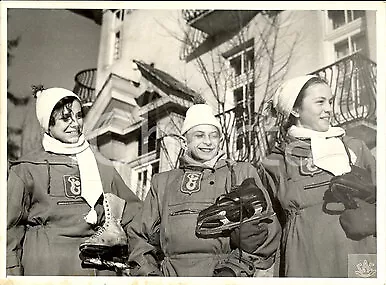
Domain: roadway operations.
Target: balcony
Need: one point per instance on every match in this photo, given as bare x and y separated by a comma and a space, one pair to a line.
353, 82
207, 29
246, 137
191, 15
85, 85
213, 22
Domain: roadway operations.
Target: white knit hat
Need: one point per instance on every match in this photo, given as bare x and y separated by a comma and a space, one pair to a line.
46, 101
285, 97
199, 114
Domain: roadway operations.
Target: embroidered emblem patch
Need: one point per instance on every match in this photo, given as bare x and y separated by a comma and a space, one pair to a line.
191, 182
307, 167
72, 186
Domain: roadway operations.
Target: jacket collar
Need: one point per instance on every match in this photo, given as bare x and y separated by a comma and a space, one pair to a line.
294, 146
187, 162
43, 157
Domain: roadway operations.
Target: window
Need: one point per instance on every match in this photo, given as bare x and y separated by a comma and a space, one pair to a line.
346, 32
236, 65
350, 45
242, 62
117, 30
146, 98
340, 18
119, 15
148, 137
242, 67
244, 111
117, 45
144, 174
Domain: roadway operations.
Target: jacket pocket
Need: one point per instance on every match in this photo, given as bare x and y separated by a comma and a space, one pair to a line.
180, 228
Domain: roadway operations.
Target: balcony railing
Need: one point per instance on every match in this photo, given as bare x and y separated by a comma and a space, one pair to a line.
190, 15
353, 81
214, 22
246, 139
85, 85
208, 28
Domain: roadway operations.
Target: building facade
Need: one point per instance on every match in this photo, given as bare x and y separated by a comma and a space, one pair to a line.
153, 64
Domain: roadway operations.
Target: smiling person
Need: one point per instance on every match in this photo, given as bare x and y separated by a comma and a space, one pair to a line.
316, 240
167, 222
60, 195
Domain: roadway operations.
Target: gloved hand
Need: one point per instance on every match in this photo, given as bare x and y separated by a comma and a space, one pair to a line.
15, 271
126, 272
252, 235
224, 272
360, 222
145, 270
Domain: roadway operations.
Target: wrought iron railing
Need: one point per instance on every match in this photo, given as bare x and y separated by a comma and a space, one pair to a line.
190, 15
193, 40
246, 138
353, 81
85, 85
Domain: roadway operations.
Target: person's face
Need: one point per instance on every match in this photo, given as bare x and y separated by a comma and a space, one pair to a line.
68, 124
316, 108
203, 142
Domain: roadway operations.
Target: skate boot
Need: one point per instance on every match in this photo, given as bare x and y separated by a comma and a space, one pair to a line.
246, 203
110, 240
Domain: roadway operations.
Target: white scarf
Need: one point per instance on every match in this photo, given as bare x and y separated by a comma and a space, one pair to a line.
328, 150
91, 184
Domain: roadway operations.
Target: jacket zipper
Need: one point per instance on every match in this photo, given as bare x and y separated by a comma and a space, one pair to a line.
316, 185
185, 211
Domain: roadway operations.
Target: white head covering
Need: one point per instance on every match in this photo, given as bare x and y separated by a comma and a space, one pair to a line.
285, 97
46, 101
199, 114
328, 150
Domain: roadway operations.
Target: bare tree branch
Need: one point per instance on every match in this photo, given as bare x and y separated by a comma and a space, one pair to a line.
269, 68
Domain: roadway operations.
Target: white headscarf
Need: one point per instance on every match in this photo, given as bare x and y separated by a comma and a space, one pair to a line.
328, 150
285, 97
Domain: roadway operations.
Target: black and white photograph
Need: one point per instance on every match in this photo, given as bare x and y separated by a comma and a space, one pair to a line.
234, 139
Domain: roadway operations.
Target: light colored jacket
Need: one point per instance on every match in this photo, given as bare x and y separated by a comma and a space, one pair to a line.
45, 215
314, 243
174, 210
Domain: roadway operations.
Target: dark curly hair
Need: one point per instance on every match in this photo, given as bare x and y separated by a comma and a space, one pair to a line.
62, 105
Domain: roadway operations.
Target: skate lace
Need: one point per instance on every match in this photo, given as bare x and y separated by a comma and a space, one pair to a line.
99, 232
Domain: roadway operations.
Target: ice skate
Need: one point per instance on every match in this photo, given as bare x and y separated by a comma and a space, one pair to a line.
110, 239
246, 203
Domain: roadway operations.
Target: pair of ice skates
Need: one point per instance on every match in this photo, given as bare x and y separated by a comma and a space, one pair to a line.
108, 247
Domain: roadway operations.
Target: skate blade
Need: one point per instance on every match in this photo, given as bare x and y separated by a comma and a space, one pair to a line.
103, 250
99, 263
225, 225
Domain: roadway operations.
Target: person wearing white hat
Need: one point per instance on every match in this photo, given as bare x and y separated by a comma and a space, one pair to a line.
318, 240
58, 196
168, 218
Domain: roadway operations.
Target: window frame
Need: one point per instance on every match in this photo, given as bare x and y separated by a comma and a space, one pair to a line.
142, 183
349, 30
151, 133
117, 28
